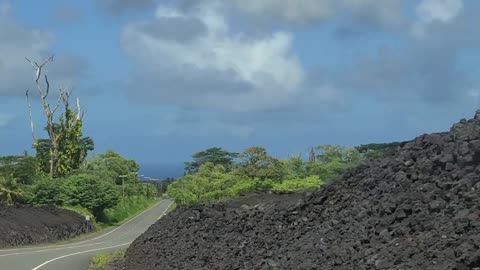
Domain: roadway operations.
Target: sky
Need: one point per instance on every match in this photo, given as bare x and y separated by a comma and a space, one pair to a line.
161, 80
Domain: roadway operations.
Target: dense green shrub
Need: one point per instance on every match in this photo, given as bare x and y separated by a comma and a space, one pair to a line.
310, 182
47, 192
24, 168
9, 189
125, 209
210, 183
257, 171
90, 192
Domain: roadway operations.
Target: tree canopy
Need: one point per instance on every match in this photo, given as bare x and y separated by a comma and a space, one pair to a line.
215, 155
24, 168
255, 170
9, 189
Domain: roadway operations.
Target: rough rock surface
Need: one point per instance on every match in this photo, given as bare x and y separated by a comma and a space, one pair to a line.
416, 207
24, 225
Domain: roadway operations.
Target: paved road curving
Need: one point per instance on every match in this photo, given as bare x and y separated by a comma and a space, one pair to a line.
76, 256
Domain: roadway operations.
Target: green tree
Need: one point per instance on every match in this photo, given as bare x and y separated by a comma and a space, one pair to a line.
65, 149
47, 192
73, 147
312, 156
162, 185
91, 192
333, 160
210, 184
123, 172
346, 155
215, 155
289, 185
24, 168
9, 189
376, 149
295, 168
258, 164
69, 162
113, 165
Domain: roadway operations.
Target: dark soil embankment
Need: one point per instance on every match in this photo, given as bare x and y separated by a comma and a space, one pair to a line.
417, 207
23, 225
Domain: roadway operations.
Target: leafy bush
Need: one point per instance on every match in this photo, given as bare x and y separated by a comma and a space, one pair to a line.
241, 187
90, 192
329, 170
24, 168
257, 171
102, 260
333, 160
10, 190
47, 192
113, 165
210, 183
82, 211
289, 185
125, 209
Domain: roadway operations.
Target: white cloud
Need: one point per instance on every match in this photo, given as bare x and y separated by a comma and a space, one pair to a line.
18, 42
305, 11
431, 11
292, 10
385, 11
218, 69
5, 119
439, 10
121, 6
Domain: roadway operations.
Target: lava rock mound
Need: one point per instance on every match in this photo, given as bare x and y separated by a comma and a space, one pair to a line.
416, 207
25, 225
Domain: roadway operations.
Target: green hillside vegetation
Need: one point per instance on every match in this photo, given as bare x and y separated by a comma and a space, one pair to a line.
62, 174
105, 186
98, 187
215, 174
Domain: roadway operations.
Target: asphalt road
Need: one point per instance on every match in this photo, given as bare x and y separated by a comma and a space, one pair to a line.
76, 256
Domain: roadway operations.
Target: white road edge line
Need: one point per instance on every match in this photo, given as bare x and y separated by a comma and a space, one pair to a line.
168, 207
77, 253
88, 240
103, 235
43, 250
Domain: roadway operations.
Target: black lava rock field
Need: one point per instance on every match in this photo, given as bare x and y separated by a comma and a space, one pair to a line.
24, 225
415, 207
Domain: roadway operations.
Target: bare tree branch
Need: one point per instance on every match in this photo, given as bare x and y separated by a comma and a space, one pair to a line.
49, 113
70, 121
38, 67
48, 87
32, 126
79, 113
56, 106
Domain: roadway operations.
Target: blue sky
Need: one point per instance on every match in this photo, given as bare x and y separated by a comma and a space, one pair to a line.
160, 80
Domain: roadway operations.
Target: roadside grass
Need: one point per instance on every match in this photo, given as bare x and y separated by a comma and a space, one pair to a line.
124, 210
101, 261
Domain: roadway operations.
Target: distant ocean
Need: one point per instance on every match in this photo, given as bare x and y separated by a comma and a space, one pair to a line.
162, 171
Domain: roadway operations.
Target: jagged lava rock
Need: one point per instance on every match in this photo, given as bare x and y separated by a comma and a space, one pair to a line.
415, 207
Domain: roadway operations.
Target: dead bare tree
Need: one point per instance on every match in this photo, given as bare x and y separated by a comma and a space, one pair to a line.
64, 96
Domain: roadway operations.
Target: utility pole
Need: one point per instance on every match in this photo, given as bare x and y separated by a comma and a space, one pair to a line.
123, 186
